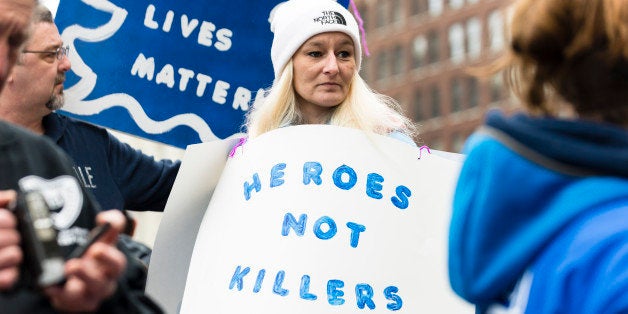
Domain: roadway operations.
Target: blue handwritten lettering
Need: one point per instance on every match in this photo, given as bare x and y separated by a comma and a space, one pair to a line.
390, 294
290, 222
364, 292
364, 296
257, 185
312, 172
401, 200
305, 288
334, 294
355, 232
325, 235
259, 280
344, 177
337, 176
276, 175
299, 226
373, 185
238, 276
278, 282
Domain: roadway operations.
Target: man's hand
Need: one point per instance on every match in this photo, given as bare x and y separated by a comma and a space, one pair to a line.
10, 251
92, 278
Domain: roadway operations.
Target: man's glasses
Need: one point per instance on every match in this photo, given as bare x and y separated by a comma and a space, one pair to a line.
59, 53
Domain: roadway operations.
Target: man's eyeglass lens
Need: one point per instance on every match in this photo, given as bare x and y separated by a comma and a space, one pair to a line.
59, 52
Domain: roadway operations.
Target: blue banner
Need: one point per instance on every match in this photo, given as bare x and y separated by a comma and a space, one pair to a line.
177, 72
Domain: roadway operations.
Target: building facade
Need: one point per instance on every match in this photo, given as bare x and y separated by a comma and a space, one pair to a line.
420, 52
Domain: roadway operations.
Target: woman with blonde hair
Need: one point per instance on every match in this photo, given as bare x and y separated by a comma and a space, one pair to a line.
540, 209
316, 56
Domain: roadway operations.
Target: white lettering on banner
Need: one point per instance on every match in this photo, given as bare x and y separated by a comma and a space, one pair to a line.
208, 34
145, 68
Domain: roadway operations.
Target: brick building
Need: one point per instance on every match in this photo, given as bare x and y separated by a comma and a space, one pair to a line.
419, 53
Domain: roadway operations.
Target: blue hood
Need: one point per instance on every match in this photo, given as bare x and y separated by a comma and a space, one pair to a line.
523, 180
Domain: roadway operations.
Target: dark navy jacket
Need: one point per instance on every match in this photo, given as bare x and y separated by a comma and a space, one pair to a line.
30, 160
118, 175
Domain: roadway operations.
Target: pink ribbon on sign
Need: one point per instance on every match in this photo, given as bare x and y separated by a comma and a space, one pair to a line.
421, 150
241, 142
361, 26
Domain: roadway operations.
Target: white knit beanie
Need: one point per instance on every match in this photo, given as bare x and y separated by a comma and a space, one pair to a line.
293, 22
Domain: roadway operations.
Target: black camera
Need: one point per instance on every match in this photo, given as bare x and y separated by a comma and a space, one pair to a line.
43, 260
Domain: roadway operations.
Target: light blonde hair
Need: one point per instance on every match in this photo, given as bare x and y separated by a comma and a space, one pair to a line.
363, 109
574, 49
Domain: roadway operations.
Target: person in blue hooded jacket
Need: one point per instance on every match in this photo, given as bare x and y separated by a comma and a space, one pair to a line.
540, 211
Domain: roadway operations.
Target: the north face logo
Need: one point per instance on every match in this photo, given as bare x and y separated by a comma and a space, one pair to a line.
331, 17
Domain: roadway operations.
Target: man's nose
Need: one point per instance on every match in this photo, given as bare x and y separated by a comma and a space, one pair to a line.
331, 64
64, 64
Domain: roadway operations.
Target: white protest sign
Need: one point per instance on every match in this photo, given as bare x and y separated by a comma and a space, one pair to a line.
323, 219
200, 171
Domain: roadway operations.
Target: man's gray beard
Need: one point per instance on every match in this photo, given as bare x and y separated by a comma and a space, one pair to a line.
56, 102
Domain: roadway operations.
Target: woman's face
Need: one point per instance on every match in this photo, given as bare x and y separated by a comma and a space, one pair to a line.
323, 68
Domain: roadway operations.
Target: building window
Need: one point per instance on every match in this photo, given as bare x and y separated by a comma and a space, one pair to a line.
435, 101
419, 7
418, 105
383, 66
437, 143
364, 12
398, 59
474, 38
496, 31
473, 91
433, 44
456, 4
497, 88
419, 51
435, 7
456, 43
458, 142
365, 70
397, 11
456, 95
382, 13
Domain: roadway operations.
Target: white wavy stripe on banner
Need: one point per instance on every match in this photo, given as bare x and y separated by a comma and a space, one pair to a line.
151, 126
86, 85
76, 94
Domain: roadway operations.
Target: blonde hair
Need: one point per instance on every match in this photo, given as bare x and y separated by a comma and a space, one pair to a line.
363, 109
574, 49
